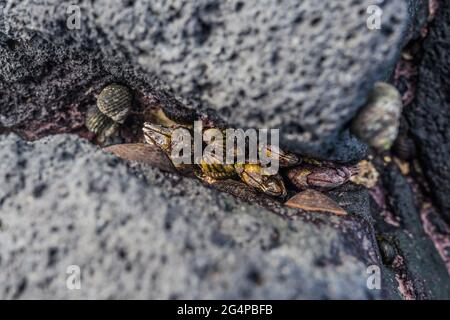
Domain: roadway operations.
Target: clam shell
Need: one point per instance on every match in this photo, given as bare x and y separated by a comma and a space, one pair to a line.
100, 124
115, 102
377, 124
311, 200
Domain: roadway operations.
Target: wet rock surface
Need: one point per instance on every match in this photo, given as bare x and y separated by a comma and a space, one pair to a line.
138, 233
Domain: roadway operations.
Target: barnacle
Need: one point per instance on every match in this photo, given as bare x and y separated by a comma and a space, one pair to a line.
253, 175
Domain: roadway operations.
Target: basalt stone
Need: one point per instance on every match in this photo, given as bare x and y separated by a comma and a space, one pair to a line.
419, 12
304, 67
429, 115
136, 232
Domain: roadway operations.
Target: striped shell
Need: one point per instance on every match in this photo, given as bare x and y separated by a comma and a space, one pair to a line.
115, 102
100, 124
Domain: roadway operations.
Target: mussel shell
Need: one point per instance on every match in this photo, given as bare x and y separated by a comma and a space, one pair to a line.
115, 102
100, 124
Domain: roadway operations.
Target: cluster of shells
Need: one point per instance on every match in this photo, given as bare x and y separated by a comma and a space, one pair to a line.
377, 124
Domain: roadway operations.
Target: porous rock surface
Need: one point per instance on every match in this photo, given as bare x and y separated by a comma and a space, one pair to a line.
304, 67
154, 235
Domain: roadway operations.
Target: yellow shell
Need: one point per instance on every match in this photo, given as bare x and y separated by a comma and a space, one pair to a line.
115, 102
216, 169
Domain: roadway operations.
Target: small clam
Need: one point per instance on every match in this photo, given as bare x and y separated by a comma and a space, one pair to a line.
100, 124
115, 102
286, 159
377, 124
388, 250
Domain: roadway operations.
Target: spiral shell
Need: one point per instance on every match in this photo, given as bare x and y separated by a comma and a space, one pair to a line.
115, 102
100, 124
404, 147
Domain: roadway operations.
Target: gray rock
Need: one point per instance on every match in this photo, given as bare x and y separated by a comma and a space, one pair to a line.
148, 235
304, 67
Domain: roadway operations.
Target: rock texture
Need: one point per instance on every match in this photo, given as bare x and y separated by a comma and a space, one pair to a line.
153, 235
429, 115
289, 65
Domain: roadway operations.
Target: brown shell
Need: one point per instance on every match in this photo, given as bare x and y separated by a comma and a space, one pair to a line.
311, 200
115, 102
100, 124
